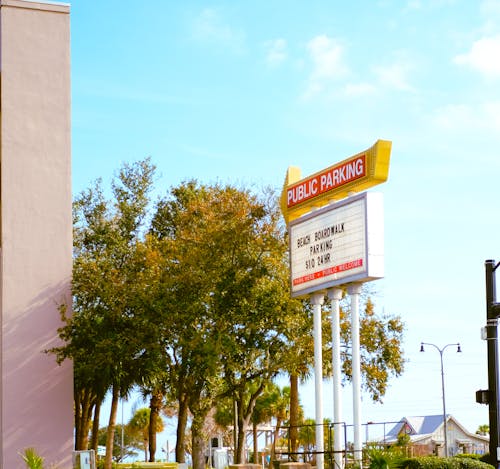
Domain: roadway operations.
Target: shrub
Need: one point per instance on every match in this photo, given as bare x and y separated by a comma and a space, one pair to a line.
381, 458
432, 462
32, 459
485, 458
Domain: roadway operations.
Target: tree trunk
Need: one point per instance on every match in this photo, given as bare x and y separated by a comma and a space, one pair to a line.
155, 406
78, 419
180, 445
83, 411
294, 414
244, 417
255, 444
95, 426
198, 441
275, 438
108, 460
240, 451
243, 422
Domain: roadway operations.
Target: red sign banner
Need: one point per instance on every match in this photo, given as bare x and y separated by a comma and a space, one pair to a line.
327, 180
330, 271
339, 181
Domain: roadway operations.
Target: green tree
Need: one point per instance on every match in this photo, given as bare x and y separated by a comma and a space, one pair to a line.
275, 403
307, 437
155, 422
298, 363
279, 400
225, 294
154, 381
195, 309
381, 350
105, 336
226, 290
139, 427
483, 430
125, 442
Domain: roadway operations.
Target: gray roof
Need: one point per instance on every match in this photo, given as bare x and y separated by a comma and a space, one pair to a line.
422, 425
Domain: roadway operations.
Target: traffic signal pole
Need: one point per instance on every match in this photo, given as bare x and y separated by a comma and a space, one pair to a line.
492, 315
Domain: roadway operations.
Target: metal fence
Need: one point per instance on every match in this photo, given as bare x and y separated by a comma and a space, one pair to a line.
304, 449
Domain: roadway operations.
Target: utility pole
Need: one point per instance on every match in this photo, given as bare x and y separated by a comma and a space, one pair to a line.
492, 315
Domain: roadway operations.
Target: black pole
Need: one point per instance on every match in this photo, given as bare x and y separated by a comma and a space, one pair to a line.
492, 334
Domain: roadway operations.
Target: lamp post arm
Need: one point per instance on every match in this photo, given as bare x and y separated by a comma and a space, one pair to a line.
445, 423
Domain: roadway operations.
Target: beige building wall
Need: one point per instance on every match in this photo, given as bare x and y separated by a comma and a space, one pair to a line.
36, 407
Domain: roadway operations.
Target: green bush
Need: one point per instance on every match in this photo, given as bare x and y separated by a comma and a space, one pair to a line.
100, 464
32, 459
382, 458
432, 462
485, 458
473, 463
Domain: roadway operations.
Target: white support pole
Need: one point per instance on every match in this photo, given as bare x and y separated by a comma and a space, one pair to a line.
317, 300
354, 291
335, 295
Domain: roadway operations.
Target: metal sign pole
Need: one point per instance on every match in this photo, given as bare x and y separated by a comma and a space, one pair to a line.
317, 300
335, 295
354, 291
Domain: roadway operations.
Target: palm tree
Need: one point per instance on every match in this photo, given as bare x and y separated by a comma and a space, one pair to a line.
307, 437
139, 425
268, 405
279, 403
483, 430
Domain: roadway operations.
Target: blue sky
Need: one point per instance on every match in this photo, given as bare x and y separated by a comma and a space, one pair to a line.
237, 91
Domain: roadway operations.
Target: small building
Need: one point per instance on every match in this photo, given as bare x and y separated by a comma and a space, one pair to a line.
426, 436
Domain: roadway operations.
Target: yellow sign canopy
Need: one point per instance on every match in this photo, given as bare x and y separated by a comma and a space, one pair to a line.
354, 174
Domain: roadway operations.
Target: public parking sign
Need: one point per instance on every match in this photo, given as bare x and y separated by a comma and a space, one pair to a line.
338, 244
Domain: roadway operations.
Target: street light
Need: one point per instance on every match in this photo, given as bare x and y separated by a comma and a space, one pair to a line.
441, 350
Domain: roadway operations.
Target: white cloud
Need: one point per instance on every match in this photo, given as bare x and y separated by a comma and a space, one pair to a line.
358, 89
395, 75
490, 8
453, 117
209, 27
414, 5
483, 57
326, 55
492, 114
467, 120
467, 132
276, 51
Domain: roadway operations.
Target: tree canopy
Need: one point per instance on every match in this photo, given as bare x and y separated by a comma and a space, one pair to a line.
226, 295
189, 299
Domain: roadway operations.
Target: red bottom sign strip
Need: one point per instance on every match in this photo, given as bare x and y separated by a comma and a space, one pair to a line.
329, 271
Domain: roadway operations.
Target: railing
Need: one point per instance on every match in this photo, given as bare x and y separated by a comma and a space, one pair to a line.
305, 448
147, 465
